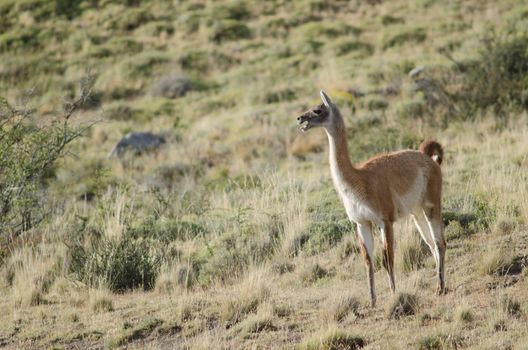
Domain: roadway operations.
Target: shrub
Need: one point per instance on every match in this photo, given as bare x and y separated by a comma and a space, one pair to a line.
511, 306
247, 299
501, 262
313, 273
172, 86
495, 79
414, 252
256, 324
120, 265
343, 46
343, 306
25, 38
131, 19
28, 152
101, 301
143, 64
233, 10
333, 339
417, 35
173, 277
403, 305
194, 59
322, 235
465, 315
498, 78
155, 28
326, 29
432, 342
229, 256
454, 230
228, 30
387, 20
282, 267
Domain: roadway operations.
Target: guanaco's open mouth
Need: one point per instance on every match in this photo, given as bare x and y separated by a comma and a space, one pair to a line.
304, 123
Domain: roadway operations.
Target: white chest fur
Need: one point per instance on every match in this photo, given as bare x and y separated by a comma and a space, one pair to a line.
356, 209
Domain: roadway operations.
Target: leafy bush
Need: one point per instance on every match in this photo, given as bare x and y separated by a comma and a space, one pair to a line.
28, 152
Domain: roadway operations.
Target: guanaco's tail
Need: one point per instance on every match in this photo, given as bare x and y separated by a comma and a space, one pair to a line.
433, 149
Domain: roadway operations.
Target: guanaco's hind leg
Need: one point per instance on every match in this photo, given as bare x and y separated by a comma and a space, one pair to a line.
366, 244
387, 237
433, 216
422, 226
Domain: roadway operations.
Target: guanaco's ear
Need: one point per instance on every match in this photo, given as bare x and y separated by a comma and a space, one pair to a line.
326, 100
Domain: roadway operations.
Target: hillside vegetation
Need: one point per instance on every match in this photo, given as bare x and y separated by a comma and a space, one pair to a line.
231, 234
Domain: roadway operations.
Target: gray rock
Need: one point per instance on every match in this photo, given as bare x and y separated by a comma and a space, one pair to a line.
137, 142
172, 86
415, 72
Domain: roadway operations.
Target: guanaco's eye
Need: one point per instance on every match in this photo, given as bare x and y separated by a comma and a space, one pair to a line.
317, 111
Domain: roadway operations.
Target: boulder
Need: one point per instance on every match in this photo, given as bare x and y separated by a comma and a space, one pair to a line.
137, 142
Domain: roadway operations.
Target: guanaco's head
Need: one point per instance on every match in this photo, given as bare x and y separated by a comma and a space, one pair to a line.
320, 115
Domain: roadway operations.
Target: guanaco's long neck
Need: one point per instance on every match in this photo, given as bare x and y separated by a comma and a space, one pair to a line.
340, 164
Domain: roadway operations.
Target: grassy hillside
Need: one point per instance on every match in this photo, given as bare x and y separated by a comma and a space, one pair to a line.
231, 234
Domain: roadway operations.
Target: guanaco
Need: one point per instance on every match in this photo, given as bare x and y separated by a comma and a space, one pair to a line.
383, 189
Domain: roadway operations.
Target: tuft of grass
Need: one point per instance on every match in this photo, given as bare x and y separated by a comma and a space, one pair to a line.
282, 310
244, 300
441, 341
255, 324
229, 30
324, 235
282, 267
465, 315
121, 264
175, 276
413, 252
510, 306
313, 273
500, 262
348, 247
415, 36
431, 342
101, 300
141, 331
403, 305
340, 307
333, 339
504, 226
